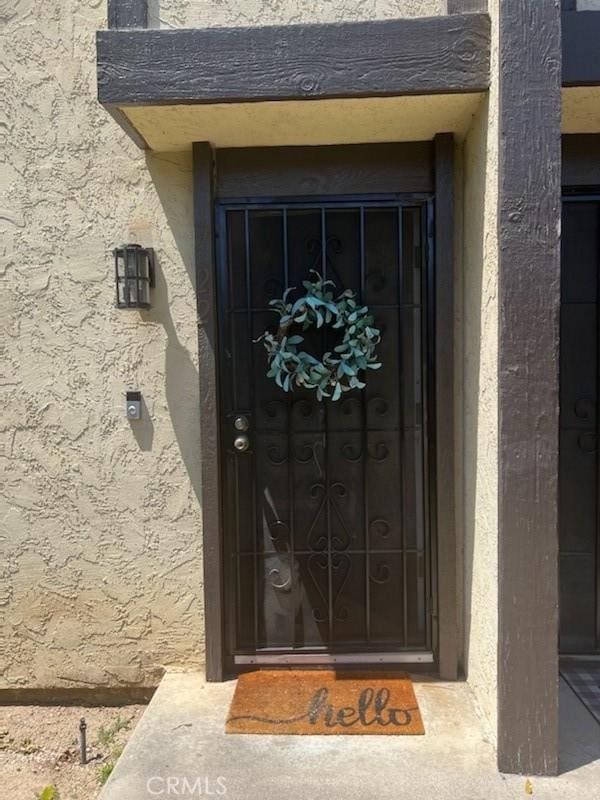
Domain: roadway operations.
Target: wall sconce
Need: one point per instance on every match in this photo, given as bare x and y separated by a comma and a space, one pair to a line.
134, 275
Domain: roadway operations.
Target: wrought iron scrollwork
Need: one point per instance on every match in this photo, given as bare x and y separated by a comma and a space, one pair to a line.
584, 408
349, 405
376, 281
379, 452
303, 408
318, 561
378, 405
333, 247
379, 528
337, 492
317, 492
304, 453
279, 531
307, 452
272, 287
380, 573
340, 565
587, 442
276, 455
276, 409
351, 452
328, 497
278, 582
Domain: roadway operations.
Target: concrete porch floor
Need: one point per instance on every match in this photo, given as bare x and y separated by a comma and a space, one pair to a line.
181, 736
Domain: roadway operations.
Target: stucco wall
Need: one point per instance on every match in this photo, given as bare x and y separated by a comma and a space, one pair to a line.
100, 561
100, 530
207, 13
479, 405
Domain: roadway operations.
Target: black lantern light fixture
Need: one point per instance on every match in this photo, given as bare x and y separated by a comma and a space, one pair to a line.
134, 275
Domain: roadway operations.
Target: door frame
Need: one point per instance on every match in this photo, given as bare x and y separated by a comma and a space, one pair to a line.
410, 167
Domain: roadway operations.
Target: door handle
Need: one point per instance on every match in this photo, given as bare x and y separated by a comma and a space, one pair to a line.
241, 443
241, 423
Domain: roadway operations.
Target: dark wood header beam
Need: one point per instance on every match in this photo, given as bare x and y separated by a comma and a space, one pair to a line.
581, 48
128, 14
466, 6
430, 55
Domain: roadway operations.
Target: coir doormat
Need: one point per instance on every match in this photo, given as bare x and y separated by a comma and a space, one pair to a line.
324, 702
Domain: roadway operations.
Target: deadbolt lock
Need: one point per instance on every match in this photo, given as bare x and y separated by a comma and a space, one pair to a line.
241, 423
241, 443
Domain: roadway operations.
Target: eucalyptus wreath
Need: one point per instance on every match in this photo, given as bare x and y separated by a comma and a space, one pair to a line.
339, 370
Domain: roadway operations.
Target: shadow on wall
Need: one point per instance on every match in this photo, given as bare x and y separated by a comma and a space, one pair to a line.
143, 428
172, 177
474, 348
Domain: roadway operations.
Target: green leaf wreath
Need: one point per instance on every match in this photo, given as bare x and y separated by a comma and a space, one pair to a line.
338, 371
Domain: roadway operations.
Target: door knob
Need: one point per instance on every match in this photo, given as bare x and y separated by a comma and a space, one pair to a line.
241, 443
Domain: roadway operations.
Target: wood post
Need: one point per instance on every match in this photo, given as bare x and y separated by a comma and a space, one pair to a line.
128, 14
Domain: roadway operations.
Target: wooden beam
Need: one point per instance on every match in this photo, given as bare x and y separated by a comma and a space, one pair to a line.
466, 6
204, 229
580, 38
444, 405
431, 55
127, 13
529, 302
377, 168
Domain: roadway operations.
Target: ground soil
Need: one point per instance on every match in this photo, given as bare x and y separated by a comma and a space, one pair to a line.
39, 747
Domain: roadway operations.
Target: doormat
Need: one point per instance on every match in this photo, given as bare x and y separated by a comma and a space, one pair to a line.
324, 702
584, 678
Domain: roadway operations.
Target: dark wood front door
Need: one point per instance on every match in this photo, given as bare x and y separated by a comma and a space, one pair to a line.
579, 466
326, 514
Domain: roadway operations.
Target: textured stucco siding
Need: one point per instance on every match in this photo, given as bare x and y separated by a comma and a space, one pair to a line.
480, 399
100, 532
208, 13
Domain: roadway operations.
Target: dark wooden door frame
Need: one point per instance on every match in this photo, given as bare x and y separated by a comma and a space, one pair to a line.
206, 303
442, 304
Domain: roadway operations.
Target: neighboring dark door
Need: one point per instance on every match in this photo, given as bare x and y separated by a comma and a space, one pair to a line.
326, 515
579, 468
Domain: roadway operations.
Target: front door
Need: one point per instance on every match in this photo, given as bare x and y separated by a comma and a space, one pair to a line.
327, 529
579, 468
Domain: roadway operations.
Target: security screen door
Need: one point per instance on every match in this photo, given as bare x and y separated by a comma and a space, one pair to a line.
579, 471
326, 513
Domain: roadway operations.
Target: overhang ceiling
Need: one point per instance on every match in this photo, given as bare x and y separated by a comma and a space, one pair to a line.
304, 122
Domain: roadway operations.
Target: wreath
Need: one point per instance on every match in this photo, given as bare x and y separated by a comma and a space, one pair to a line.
339, 370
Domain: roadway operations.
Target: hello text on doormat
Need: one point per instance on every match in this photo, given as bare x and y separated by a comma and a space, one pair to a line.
324, 702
